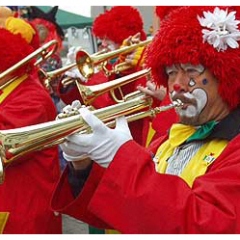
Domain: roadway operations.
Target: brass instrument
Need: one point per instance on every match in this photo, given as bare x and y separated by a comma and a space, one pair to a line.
15, 143
89, 93
43, 52
46, 77
88, 62
118, 68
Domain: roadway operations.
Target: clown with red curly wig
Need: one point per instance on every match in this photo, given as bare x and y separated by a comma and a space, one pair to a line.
26, 184
186, 182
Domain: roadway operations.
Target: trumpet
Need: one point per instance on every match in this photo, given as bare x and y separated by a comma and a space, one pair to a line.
89, 93
43, 52
46, 77
15, 143
88, 62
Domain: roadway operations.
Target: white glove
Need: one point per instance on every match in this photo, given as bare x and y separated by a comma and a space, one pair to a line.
71, 58
71, 55
101, 145
70, 110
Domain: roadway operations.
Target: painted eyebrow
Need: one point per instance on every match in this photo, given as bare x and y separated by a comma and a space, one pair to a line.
198, 67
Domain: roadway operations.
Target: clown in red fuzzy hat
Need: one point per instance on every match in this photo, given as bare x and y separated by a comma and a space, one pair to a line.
48, 29
186, 182
116, 28
117, 24
159, 125
23, 102
214, 48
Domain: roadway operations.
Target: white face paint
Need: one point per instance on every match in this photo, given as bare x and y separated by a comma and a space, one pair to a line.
110, 45
198, 90
200, 96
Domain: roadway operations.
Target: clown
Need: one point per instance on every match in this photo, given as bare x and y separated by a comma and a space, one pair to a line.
114, 28
48, 29
27, 184
187, 181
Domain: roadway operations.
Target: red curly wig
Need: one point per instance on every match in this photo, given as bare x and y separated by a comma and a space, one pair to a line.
180, 40
163, 11
14, 48
118, 23
49, 21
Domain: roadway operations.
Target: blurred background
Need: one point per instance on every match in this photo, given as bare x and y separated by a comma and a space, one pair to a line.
76, 22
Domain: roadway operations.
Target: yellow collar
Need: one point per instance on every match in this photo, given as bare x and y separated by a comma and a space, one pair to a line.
6, 90
179, 133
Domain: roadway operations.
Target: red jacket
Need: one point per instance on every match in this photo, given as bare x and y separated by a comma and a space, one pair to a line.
132, 197
28, 184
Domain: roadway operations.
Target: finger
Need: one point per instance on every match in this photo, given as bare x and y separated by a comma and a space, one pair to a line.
127, 41
95, 123
74, 158
122, 125
76, 104
151, 86
136, 38
121, 122
70, 148
67, 109
76, 141
145, 90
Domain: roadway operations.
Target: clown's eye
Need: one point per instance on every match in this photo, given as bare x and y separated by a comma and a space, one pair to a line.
192, 72
171, 71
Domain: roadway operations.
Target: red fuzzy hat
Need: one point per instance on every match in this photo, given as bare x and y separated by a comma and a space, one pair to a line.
163, 11
192, 35
14, 48
18, 26
48, 19
119, 23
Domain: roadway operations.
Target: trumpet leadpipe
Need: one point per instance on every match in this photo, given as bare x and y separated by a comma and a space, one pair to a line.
15, 143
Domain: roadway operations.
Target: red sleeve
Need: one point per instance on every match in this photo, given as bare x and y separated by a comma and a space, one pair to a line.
64, 202
139, 200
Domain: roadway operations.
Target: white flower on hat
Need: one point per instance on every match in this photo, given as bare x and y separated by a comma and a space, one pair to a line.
223, 27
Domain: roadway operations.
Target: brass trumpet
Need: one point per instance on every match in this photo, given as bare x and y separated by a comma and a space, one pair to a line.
43, 53
46, 77
89, 93
15, 143
88, 62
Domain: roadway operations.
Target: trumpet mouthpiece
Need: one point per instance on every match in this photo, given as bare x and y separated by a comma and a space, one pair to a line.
178, 103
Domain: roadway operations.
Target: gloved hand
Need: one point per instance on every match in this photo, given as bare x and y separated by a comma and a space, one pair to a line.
71, 58
101, 145
70, 110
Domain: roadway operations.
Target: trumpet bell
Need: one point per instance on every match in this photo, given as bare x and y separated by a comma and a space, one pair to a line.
87, 62
15, 143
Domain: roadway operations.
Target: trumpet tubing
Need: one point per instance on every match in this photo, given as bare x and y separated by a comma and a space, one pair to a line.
43, 52
89, 93
86, 62
18, 141
47, 77
15, 143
